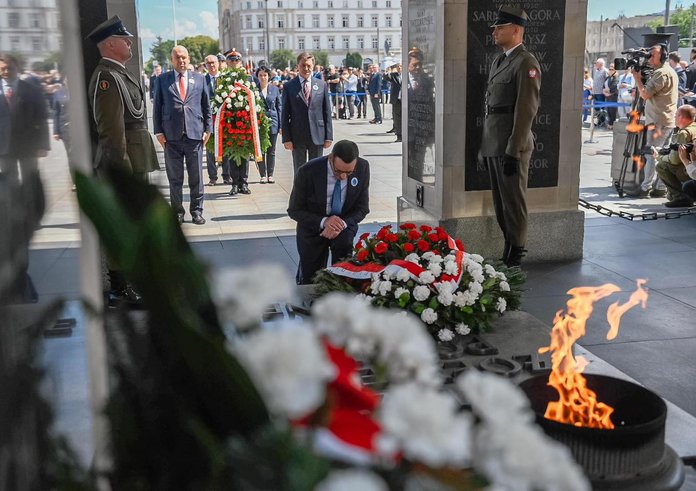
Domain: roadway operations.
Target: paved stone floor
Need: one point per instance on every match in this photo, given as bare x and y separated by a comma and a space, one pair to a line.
656, 346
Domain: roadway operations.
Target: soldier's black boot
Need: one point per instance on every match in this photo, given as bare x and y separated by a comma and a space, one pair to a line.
515, 256
506, 252
234, 190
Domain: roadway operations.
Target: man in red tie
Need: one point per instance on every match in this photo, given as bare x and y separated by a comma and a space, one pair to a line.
23, 128
182, 123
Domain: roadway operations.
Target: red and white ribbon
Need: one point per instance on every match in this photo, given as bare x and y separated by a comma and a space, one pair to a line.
253, 122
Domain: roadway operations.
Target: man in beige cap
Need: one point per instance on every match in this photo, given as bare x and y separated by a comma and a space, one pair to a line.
512, 101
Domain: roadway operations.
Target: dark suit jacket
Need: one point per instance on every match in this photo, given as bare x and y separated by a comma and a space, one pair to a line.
304, 125
394, 79
375, 85
274, 106
210, 86
309, 197
171, 115
23, 123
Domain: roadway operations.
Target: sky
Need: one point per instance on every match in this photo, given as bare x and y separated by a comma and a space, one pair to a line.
200, 16
193, 17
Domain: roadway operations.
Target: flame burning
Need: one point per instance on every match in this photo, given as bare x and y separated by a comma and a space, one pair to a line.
634, 126
577, 404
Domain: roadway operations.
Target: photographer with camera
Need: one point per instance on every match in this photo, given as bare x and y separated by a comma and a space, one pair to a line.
688, 159
669, 165
660, 93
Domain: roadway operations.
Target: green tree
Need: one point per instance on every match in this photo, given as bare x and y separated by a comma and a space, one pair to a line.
50, 63
161, 53
283, 58
321, 58
199, 47
353, 60
680, 17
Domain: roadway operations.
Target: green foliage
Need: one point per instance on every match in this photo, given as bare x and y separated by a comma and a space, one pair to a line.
179, 396
52, 61
283, 58
198, 47
321, 58
680, 17
354, 60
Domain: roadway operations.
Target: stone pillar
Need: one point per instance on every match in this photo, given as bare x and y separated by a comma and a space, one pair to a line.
448, 186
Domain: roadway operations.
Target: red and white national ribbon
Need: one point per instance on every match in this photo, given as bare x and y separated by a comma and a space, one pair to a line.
253, 120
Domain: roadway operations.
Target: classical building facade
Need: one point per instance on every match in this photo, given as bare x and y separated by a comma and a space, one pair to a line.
30, 29
258, 27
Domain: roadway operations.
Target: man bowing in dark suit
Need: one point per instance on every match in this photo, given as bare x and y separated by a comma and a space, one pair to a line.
182, 122
330, 197
306, 117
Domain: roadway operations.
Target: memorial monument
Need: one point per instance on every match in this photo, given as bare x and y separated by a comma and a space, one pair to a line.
450, 50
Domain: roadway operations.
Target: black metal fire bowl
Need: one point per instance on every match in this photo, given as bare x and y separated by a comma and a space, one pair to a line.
633, 456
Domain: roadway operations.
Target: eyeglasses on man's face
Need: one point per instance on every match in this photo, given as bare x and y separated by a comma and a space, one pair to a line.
340, 172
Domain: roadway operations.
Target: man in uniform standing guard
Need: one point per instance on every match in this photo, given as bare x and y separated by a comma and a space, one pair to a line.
118, 108
512, 101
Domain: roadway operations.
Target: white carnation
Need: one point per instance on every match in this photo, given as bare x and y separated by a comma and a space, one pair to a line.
445, 335
451, 268
241, 295
504, 286
475, 287
426, 277
494, 398
421, 293
445, 295
501, 305
225, 94
403, 275
412, 258
428, 255
387, 275
490, 270
352, 479
435, 269
229, 105
374, 286
435, 258
450, 257
400, 291
431, 431
385, 288
246, 108
289, 366
476, 258
429, 316
478, 277
501, 276
218, 99
340, 315
462, 329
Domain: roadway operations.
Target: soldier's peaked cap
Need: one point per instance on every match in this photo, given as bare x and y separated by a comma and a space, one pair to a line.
110, 27
233, 54
511, 15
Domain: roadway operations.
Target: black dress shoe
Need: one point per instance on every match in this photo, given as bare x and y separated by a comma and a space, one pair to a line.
244, 189
125, 296
515, 256
679, 203
233, 190
198, 219
180, 217
227, 181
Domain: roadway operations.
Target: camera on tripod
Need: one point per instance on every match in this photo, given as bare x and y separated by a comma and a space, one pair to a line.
636, 59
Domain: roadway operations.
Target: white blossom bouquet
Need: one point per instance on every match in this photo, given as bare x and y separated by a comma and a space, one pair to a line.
424, 271
237, 132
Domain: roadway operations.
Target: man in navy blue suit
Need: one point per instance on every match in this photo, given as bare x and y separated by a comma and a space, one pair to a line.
330, 197
182, 123
306, 116
375, 89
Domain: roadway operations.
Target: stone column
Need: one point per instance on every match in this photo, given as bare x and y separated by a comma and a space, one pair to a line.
451, 188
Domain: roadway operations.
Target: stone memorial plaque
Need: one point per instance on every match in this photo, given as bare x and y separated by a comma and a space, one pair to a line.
544, 38
420, 68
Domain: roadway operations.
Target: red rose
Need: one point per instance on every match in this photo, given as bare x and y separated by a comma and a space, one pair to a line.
442, 234
362, 255
460, 246
382, 233
413, 235
425, 228
381, 248
423, 246
365, 236
433, 237
359, 245
407, 226
391, 238
408, 247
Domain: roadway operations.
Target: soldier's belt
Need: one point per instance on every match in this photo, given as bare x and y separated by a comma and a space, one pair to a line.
138, 125
500, 110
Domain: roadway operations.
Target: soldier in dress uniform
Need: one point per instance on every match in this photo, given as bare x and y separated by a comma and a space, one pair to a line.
118, 105
118, 108
512, 100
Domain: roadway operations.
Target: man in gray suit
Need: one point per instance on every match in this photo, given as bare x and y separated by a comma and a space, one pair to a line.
182, 123
512, 101
306, 117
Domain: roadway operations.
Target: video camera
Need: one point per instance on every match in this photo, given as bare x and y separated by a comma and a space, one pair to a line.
675, 147
636, 59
